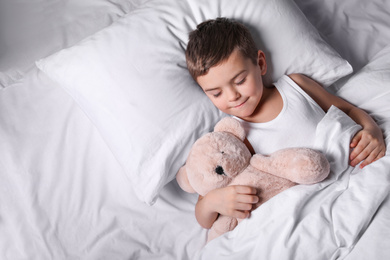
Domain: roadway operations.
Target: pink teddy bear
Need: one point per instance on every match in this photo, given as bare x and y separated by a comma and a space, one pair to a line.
221, 158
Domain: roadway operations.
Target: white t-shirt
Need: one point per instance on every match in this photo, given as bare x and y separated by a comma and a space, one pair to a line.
295, 126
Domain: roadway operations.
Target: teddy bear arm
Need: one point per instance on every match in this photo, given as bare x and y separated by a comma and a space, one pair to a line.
303, 166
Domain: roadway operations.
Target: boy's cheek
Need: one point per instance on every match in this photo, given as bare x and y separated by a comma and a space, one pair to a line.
224, 108
218, 104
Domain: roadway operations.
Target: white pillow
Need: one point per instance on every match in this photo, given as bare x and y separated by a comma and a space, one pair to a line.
131, 78
369, 88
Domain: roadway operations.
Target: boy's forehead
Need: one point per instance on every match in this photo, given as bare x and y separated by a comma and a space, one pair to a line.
225, 71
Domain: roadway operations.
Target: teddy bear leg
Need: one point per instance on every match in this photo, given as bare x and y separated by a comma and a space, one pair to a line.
212, 234
222, 225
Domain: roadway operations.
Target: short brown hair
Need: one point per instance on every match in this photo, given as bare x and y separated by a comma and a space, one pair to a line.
213, 41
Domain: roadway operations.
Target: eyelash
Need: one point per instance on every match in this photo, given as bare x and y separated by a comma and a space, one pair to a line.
238, 83
241, 82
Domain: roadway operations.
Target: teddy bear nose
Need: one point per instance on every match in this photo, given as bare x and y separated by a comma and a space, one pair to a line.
219, 170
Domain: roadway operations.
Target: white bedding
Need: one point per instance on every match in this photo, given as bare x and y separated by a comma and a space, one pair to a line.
30, 30
63, 194
321, 221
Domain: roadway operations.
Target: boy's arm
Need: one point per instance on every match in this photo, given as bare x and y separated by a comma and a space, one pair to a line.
368, 143
233, 201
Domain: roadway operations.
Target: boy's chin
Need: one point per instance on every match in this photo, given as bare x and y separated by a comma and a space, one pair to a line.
245, 113
243, 116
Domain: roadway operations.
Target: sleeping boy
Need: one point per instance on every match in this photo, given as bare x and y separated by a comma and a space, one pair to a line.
223, 59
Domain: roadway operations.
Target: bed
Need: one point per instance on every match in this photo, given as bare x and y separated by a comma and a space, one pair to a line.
88, 165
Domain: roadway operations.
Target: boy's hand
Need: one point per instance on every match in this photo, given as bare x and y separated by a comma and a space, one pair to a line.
368, 145
233, 201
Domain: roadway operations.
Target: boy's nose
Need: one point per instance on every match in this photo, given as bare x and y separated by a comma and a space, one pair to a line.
233, 94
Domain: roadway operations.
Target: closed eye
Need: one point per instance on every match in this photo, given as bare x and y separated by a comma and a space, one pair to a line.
241, 82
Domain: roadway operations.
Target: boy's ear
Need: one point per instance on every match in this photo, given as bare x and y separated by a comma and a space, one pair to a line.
262, 62
182, 180
231, 125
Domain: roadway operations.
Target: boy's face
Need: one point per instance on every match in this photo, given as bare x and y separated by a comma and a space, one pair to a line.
235, 86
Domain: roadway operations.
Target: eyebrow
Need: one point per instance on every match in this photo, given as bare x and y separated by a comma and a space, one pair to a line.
238, 74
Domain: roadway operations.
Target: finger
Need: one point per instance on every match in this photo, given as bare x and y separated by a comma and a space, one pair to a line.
357, 151
243, 206
355, 140
361, 156
245, 189
241, 214
374, 154
249, 199
381, 153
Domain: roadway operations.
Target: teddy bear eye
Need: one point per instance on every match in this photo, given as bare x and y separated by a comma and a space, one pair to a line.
219, 170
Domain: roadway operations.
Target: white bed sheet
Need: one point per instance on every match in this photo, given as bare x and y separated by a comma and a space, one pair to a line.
63, 195
30, 30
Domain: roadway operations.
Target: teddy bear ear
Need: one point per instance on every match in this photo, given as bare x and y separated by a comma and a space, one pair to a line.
231, 125
182, 180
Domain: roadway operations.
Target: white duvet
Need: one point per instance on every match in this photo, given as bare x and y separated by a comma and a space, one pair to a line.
321, 221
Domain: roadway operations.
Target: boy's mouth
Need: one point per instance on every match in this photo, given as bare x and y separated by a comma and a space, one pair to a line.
240, 105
